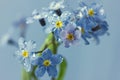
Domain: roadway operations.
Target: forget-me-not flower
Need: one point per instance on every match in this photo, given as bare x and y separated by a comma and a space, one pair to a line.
70, 35
47, 62
25, 53
57, 23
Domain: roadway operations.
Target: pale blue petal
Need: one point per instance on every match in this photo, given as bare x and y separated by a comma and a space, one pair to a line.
67, 44
47, 54
40, 71
52, 71
86, 41
19, 56
63, 35
77, 34
21, 43
65, 15
56, 59
31, 45
38, 61
27, 64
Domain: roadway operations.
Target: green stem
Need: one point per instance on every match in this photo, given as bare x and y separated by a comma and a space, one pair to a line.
29, 75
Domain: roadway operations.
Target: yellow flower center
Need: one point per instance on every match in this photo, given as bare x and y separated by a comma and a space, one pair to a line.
25, 53
91, 12
70, 36
59, 24
46, 63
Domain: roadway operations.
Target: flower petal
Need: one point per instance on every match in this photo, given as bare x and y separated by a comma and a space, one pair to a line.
30, 45
38, 61
21, 43
86, 41
19, 56
63, 34
27, 64
52, 71
40, 71
65, 15
47, 54
67, 44
56, 59
77, 34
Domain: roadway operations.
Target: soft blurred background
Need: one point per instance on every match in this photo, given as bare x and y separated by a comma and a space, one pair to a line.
92, 62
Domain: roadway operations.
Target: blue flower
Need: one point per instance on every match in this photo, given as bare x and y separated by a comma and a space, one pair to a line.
88, 18
99, 30
94, 11
47, 62
90, 15
57, 23
70, 35
25, 54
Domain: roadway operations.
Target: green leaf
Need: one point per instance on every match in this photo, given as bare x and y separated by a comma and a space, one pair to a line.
62, 70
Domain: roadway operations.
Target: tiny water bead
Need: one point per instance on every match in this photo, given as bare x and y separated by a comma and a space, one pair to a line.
25, 53
91, 12
47, 63
59, 24
70, 37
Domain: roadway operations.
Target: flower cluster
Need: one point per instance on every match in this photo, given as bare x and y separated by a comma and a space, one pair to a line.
67, 27
91, 19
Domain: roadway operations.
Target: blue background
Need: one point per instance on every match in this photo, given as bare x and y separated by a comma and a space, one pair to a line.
101, 62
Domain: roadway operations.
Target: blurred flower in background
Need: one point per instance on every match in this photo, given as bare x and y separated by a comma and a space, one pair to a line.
7, 39
21, 24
